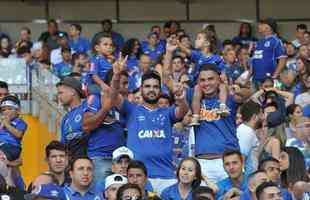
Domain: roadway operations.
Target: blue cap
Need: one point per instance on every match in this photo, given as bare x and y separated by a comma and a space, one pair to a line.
307, 111
48, 191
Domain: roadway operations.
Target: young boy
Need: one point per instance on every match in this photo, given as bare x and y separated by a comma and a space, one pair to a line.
64, 68
12, 128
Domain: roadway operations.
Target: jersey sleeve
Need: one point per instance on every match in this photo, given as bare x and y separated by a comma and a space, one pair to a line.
279, 50
195, 55
21, 126
93, 104
93, 67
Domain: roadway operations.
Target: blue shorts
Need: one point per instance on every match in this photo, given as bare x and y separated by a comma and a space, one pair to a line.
11, 152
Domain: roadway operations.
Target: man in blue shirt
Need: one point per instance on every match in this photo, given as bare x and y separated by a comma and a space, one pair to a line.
63, 68
269, 55
150, 127
72, 134
76, 42
215, 133
233, 165
81, 172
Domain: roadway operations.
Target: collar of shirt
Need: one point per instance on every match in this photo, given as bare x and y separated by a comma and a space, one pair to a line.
90, 191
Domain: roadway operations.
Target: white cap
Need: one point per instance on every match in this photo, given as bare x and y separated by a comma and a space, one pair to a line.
122, 151
115, 179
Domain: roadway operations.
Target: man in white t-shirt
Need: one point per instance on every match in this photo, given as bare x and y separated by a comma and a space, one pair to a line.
251, 114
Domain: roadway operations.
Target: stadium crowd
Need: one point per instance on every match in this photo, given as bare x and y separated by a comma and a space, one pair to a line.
167, 118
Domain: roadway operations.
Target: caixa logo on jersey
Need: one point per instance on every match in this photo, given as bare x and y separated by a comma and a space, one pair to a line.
143, 134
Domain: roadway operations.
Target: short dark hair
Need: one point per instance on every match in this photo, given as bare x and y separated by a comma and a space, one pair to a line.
4, 85
178, 57
262, 163
137, 164
199, 191
127, 186
27, 29
249, 109
65, 49
97, 39
52, 21
54, 145
255, 173
166, 96
260, 189
109, 21
291, 109
76, 158
77, 26
229, 152
271, 104
301, 26
209, 67
151, 74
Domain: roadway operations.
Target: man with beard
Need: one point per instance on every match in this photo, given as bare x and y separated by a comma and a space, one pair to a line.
251, 114
150, 127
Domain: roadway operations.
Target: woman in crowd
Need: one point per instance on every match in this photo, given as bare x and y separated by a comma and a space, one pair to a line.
293, 172
189, 177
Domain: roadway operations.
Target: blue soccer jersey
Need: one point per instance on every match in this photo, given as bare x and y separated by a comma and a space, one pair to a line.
108, 136
172, 192
215, 134
153, 53
62, 69
81, 45
200, 59
99, 66
7, 137
264, 60
150, 137
72, 130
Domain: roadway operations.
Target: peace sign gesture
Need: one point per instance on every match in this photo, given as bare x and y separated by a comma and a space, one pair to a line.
119, 64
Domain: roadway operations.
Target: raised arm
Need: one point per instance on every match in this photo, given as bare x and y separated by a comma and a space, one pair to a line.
180, 101
91, 120
184, 49
118, 67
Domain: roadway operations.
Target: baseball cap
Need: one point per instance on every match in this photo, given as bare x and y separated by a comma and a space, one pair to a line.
122, 151
307, 111
10, 101
274, 119
115, 179
270, 22
73, 83
49, 191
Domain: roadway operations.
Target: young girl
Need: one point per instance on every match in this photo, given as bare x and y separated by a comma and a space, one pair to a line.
189, 177
12, 128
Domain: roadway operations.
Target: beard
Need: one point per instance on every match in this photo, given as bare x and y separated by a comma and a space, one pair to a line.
149, 100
